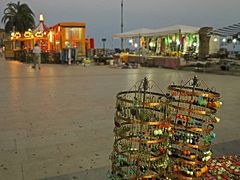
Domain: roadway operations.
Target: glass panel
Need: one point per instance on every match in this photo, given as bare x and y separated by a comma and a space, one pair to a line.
73, 33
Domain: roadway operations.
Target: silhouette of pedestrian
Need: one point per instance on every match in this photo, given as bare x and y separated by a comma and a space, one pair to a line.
36, 56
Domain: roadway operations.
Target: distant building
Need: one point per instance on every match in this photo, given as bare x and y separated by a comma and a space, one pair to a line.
228, 38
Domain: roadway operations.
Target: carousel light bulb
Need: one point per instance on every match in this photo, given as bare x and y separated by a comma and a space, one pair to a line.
130, 41
224, 40
135, 45
234, 41
215, 39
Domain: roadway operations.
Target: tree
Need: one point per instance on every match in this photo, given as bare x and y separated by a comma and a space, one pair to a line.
19, 16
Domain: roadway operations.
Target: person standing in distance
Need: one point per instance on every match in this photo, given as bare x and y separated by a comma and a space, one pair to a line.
36, 56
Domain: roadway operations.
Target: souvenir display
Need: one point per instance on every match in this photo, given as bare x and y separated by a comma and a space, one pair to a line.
141, 131
168, 136
224, 168
195, 106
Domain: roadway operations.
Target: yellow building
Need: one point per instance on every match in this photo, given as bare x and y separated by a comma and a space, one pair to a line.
67, 35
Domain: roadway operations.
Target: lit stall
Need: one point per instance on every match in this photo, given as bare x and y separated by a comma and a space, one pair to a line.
68, 38
172, 41
164, 46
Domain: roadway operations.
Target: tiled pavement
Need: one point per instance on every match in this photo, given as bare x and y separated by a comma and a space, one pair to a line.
57, 123
220, 149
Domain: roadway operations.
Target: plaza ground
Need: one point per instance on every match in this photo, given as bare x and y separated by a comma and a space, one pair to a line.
57, 123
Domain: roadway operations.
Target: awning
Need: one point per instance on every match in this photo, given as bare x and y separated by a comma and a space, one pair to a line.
133, 33
231, 30
170, 30
173, 30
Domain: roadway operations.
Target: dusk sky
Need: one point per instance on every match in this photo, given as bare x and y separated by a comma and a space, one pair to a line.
103, 16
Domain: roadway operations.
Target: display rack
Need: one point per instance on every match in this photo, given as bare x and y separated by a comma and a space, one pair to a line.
194, 112
141, 132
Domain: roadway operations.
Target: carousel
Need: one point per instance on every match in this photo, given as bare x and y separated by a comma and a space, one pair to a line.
26, 40
64, 41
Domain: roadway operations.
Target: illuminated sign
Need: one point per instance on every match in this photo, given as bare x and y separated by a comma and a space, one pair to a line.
18, 35
28, 34
39, 34
15, 35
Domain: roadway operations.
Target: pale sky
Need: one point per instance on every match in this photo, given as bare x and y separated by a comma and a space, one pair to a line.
103, 16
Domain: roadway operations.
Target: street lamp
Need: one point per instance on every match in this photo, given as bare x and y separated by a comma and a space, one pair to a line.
122, 24
135, 45
104, 40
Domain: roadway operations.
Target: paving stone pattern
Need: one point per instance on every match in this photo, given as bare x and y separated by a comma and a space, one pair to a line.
57, 123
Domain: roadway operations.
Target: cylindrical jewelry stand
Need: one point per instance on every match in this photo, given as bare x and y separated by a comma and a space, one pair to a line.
192, 120
141, 131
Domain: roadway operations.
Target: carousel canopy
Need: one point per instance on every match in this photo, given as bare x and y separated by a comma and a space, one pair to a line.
173, 30
41, 27
133, 33
231, 30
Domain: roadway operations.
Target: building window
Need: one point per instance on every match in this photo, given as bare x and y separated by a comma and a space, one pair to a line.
73, 33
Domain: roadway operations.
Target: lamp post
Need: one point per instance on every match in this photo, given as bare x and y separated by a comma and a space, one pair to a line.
122, 24
104, 40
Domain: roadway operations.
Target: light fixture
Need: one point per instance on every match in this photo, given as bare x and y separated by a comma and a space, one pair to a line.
224, 40
41, 18
39, 34
51, 36
234, 41
178, 42
135, 45
130, 41
151, 44
215, 39
17, 35
27, 34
